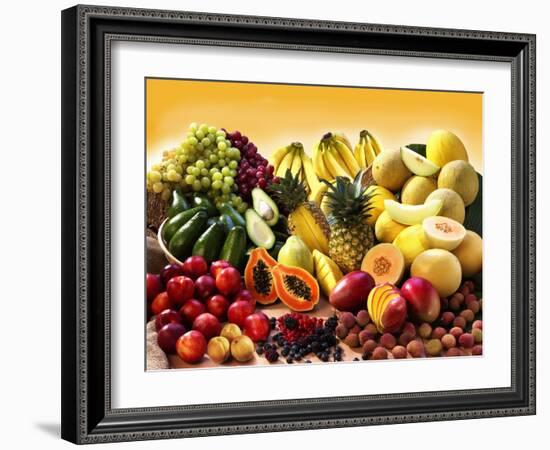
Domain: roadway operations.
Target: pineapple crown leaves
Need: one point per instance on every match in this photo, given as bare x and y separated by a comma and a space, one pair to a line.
348, 201
289, 193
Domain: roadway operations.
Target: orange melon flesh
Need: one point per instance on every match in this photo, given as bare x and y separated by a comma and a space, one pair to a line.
385, 263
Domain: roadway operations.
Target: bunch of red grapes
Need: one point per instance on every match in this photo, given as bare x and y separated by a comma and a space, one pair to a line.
254, 170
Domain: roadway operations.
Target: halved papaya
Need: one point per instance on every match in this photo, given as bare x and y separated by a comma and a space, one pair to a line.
296, 287
258, 276
385, 263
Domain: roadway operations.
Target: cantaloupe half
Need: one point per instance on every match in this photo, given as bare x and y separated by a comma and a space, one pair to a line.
385, 263
443, 232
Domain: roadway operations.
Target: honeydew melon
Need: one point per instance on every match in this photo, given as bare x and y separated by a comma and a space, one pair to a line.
417, 164
412, 214
443, 232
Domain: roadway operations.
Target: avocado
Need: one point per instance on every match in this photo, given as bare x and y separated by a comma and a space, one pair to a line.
265, 206
258, 231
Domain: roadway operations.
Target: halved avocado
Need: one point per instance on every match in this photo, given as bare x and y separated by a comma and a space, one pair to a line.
265, 206
258, 231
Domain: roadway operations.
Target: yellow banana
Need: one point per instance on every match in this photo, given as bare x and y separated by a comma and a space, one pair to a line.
286, 163
318, 163
359, 154
296, 166
277, 156
341, 137
376, 144
335, 168
370, 153
309, 173
347, 157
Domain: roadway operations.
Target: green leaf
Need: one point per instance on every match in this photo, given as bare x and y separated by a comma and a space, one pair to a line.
474, 213
418, 148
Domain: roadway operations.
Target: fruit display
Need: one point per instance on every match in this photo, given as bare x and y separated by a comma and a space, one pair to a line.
350, 253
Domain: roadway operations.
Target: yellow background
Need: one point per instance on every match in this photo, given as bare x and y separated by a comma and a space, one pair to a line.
273, 115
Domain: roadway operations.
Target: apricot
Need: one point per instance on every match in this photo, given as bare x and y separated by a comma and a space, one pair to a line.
242, 348
477, 350
468, 314
218, 349
478, 335
456, 332
466, 340
230, 331
352, 340
369, 346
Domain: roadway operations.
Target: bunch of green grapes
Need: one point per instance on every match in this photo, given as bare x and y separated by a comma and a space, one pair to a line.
204, 162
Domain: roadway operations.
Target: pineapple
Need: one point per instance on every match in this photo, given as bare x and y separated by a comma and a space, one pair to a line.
350, 235
305, 219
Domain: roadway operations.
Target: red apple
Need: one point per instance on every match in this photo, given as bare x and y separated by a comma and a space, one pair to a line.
168, 335
208, 325
165, 317
205, 286
191, 347
256, 327
422, 298
352, 291
190, 310
195, 266
217, 266
238, 311
228, 281
245, 295
217, 305
160, 303
170, 271
153, 286
180, 289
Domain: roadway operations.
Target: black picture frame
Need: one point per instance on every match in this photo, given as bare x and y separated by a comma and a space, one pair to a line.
87, 416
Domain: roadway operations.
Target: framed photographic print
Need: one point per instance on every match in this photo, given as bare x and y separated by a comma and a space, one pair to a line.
253, 201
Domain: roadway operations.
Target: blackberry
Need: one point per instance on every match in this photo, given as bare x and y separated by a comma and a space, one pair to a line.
356, 359
315, 346
319, 331
331, 340
365, 356
290, 322
289, 360
285, 351
272, 355
259, 350
324, 357
307, 361
273, 322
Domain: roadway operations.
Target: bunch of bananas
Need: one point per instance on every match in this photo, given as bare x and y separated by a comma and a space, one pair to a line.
294, 157
366, 149
333, 157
